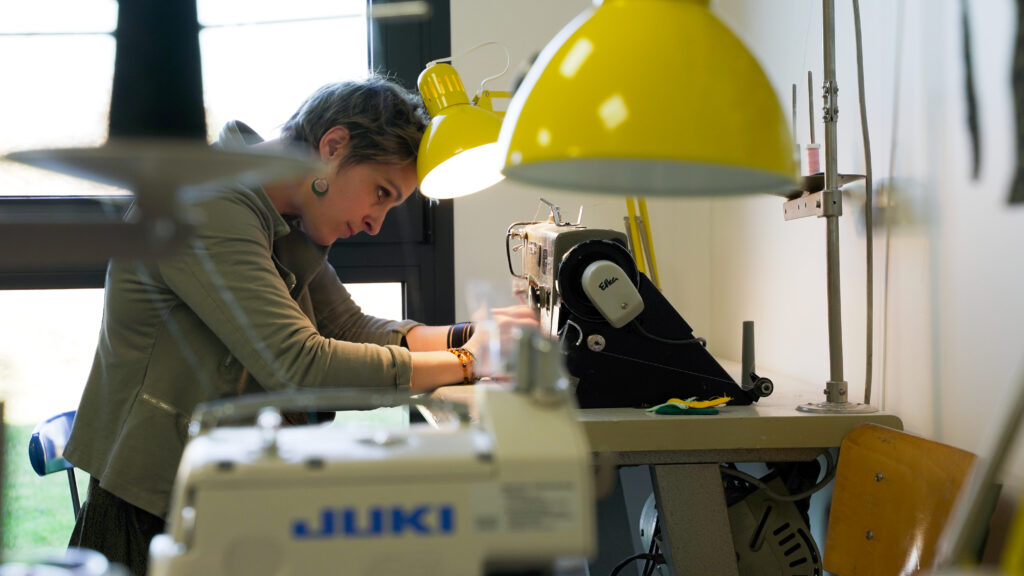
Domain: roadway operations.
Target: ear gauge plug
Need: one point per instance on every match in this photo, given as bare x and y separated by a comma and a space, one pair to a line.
319, 186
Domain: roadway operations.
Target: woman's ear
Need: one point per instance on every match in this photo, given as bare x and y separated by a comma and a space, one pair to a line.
334, 144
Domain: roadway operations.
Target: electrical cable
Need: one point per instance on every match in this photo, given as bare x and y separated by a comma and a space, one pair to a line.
106, 33
897, 84
650, 564
277, 21
636, 360
643, 556
868, 220
830, 473
473, 49
640, 329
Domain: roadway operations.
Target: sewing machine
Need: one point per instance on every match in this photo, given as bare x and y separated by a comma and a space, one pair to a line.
625, 345
494, 497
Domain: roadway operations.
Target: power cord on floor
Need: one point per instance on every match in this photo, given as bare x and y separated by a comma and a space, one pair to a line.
642, 556
830, 473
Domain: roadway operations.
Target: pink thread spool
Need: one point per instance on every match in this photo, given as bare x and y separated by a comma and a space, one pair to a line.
813, 158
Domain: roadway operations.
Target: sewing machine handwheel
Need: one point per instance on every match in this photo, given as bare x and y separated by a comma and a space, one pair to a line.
576, 260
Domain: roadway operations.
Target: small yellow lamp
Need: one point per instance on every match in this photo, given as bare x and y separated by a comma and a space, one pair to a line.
458, 154
653, 97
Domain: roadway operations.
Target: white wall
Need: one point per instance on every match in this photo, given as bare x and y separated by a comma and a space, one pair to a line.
525, 26
949, 273
949, 352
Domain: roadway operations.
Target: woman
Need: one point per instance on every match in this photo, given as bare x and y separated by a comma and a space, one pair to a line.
252, 305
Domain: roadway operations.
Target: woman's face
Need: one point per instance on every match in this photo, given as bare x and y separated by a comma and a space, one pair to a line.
358, 196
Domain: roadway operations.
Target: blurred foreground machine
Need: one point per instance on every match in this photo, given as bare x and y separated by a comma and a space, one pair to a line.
458, 500
625, 345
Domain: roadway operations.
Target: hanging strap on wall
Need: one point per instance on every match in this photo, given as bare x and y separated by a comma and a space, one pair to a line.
1017, 190
972, 100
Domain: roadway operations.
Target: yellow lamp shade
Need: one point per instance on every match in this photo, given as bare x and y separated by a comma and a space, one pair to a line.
653, 97
458, 154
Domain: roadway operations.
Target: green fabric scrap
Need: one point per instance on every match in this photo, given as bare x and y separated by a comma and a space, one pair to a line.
673, 408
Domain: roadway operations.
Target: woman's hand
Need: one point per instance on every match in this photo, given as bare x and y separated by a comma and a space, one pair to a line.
491, 342
493, 338
516, 316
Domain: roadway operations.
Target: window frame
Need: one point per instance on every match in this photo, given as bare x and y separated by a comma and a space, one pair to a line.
425, 257
420, 256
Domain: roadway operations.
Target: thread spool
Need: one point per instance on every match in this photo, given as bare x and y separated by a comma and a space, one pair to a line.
813, 158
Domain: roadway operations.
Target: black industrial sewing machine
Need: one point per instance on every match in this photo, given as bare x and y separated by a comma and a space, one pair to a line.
625, 345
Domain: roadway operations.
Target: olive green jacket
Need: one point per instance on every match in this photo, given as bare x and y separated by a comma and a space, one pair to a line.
251, 304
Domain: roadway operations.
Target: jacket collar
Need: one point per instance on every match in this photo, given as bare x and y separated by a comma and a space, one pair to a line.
236, 135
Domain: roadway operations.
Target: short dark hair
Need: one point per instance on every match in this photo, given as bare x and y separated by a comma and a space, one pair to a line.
384, 120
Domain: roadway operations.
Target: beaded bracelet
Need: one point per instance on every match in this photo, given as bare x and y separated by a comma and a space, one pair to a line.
466, 358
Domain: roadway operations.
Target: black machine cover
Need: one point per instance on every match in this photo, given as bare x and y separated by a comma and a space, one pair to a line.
644, 363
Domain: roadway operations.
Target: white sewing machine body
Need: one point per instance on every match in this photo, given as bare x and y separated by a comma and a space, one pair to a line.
514, 492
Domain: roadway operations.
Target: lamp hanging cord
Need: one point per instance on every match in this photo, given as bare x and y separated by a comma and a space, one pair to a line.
868, 209
473, 49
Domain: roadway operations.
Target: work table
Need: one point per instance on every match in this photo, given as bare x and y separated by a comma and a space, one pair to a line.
684, 454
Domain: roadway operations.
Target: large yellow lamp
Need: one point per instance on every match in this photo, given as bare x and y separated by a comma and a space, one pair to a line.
458, 154
653, 97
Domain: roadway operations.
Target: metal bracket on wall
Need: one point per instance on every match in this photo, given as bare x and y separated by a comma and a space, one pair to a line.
804, 206
821, 203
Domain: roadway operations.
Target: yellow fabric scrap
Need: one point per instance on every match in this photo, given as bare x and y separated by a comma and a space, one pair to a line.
691, 403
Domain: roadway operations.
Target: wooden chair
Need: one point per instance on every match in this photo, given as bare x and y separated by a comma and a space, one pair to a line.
46, 450
892, 496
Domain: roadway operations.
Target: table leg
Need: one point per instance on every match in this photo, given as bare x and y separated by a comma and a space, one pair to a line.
614, 530
694, 519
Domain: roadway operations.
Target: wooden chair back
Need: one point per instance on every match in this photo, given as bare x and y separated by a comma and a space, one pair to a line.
892, 496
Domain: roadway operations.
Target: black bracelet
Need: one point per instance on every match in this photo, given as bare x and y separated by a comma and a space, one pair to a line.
459, 334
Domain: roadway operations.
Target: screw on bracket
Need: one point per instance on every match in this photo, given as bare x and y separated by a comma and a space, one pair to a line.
830, 96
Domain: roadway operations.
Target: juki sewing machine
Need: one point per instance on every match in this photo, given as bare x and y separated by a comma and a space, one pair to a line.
625, 345
464, 500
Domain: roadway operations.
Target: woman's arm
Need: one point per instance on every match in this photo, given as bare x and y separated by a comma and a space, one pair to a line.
227, 277
427, 338
439, 368
339, 317
434, 365
424, 338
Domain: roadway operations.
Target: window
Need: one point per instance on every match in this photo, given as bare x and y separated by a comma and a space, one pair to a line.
259, 62
57, 90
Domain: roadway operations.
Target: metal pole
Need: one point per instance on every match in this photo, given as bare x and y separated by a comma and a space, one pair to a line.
835, 326
833, 203
836, 387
